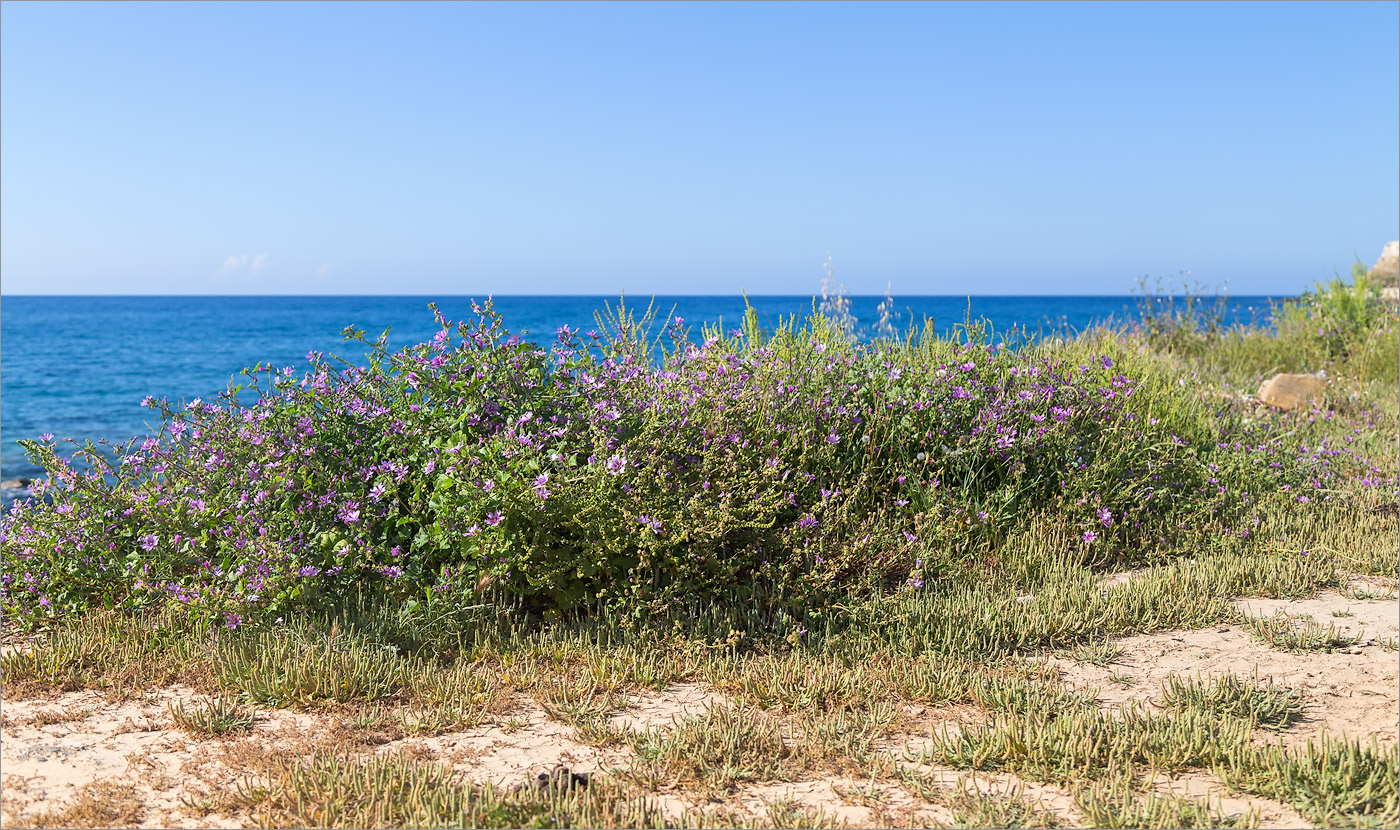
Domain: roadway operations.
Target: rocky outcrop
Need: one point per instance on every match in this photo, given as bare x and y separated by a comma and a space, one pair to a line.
1288, 392
16, 483
1386, 271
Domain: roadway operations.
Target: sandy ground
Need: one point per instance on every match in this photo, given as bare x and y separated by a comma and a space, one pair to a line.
53, 750
57, 752
1352, 692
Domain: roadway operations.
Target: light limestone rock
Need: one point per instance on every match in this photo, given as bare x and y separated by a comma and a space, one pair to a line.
1288, 392
1386, 271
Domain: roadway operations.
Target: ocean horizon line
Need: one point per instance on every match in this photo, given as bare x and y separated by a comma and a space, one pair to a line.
625, 294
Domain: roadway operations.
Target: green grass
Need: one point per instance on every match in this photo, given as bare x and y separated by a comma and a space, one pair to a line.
1334, 783
336, 791
1081, 745
1120, 803
1267, 706
216, 718
1297, 633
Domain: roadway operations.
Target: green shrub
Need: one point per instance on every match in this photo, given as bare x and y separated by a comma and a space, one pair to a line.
778, 470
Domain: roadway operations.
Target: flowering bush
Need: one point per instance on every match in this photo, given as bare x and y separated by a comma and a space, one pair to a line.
781, 468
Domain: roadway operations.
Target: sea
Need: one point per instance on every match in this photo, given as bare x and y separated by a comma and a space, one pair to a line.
78, 367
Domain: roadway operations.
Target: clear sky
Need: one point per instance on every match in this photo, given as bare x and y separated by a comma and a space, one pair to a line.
692, 149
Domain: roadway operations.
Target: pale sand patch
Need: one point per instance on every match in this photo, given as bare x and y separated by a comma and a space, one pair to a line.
1352, 692
1374, 584
852, 802
46, 766
663, 710
1059, 801
925, 724
1203, 786
1371, 620
133, 743
519, 747
841, 801
1048, 798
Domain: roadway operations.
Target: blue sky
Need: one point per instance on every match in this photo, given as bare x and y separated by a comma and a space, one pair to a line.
692, 149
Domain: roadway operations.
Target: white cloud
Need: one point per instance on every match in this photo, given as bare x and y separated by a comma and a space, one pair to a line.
324, 271
233, 263
240, 263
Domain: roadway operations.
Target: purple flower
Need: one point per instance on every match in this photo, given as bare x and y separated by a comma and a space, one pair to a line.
1106, 362
808, 521
309, 570
46, 437
1106, 517
149, 541
648, 521
833, 438
1090, 536
494, 518
616, 464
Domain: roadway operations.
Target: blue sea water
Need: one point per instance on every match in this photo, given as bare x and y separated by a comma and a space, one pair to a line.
78, 367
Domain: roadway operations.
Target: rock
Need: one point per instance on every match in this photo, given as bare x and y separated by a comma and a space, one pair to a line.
1391, 294
1291, 391
16, 483
560, 780
1386, 271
